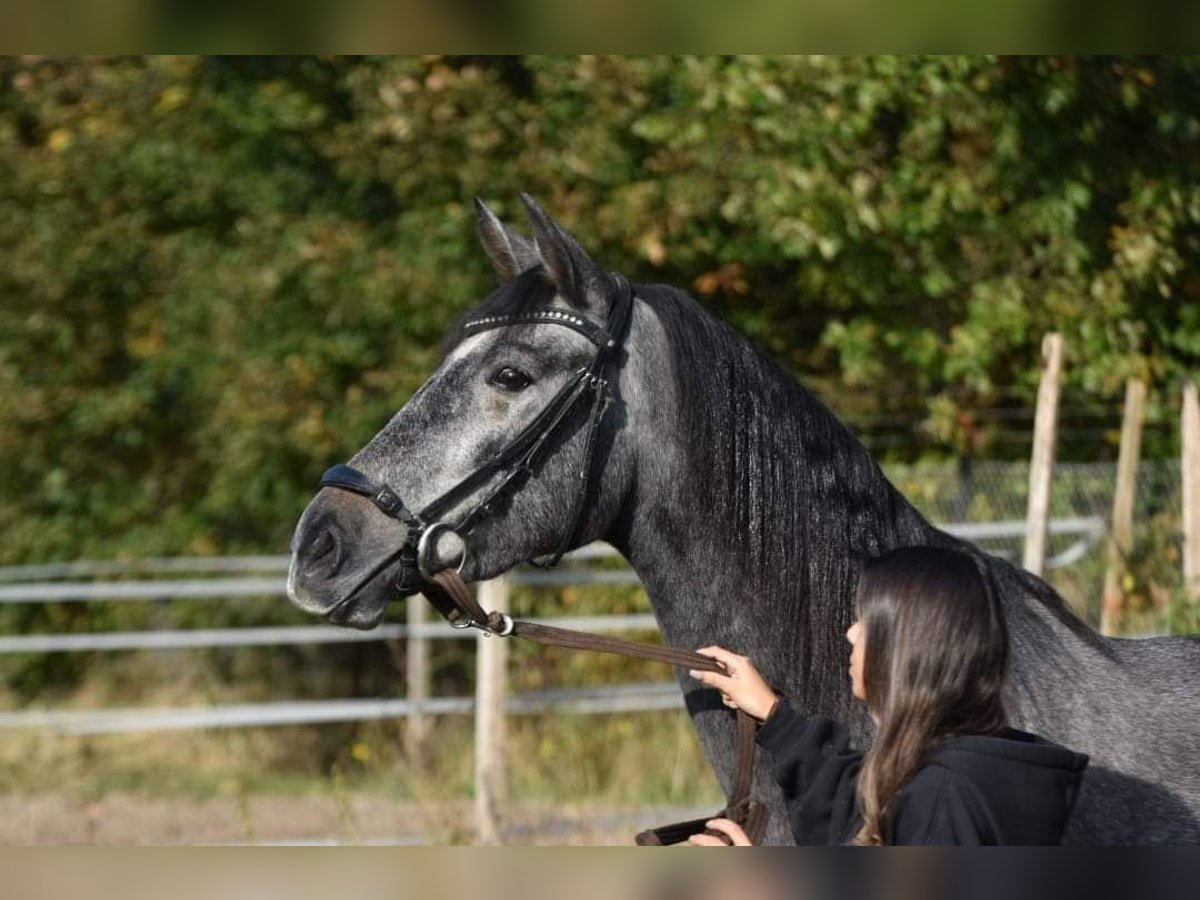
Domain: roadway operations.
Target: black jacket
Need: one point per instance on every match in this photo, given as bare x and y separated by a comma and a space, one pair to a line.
1009, 788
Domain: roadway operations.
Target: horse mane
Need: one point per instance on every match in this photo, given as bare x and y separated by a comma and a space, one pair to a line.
747, 415
806, 501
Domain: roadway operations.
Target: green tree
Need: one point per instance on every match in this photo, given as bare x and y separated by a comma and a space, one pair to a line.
220, 275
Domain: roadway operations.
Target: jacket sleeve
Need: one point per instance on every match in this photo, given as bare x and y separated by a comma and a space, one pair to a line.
817, 768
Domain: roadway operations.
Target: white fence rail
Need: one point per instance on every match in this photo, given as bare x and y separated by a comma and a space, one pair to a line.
226, 577
1087, 532
640, 697
283, 634
37, 584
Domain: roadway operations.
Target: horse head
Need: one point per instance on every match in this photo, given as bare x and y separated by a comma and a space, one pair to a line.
508, 452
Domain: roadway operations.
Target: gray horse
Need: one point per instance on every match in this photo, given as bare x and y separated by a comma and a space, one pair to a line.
746, 508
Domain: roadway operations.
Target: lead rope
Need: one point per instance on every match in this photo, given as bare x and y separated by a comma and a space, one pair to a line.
451, 597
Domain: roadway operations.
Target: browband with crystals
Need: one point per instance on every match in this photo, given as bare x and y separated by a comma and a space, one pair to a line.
597, 334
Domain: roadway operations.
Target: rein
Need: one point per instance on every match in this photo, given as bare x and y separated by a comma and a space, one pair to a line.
421, 570
448, 590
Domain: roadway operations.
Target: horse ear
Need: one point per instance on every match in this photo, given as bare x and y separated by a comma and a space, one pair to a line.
510, 253
567, 263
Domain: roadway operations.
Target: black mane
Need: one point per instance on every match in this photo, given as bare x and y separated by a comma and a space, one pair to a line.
806, 501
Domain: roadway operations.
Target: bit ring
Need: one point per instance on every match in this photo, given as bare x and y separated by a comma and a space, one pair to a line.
427, 548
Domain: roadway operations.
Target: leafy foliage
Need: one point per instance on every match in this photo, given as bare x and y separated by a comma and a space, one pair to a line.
220, 275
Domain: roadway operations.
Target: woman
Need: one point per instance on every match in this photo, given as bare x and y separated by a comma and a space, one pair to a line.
929, 657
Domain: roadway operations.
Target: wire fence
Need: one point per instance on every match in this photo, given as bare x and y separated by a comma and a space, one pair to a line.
986, 491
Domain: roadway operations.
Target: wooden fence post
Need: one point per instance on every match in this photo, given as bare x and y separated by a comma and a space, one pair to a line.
1112, 609
1041, 466
1190, 441
416, 661
491, 692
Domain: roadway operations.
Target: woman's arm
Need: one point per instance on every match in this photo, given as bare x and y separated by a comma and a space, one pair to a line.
817, 767
814, 761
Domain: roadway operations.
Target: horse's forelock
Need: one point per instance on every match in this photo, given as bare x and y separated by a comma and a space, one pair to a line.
529, 290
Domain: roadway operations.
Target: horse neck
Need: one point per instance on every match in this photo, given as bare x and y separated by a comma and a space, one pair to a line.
753, 508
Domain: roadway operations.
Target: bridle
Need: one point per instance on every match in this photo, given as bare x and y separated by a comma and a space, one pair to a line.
513, 464
500, 477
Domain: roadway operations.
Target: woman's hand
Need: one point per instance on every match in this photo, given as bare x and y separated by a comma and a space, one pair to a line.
725, 826
743, 688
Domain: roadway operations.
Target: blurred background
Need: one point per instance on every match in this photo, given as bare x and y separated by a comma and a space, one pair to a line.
221, 275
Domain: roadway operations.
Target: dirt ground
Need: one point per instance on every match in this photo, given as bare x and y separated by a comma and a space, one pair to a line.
355, 819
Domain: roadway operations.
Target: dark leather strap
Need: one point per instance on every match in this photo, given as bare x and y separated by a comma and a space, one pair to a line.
597, 334
350, 479
606, 337
447, 589
740, 806
516, 460
750, 814
600, 401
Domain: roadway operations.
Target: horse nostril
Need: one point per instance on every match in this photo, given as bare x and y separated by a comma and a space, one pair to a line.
325, 552
322, 546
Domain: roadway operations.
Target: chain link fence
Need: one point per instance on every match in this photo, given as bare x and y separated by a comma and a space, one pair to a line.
990, 491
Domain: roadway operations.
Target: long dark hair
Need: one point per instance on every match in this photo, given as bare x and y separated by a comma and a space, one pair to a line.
935, 665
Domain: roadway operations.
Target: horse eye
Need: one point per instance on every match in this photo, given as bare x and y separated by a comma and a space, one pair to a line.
511, 379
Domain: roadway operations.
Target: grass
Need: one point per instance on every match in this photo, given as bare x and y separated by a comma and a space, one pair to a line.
617, 760
620, 759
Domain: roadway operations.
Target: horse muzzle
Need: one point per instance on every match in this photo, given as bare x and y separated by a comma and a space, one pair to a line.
343, 566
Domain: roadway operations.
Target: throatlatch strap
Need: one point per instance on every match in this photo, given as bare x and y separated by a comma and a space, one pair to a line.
448, 590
